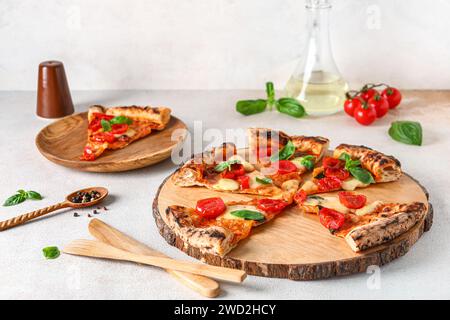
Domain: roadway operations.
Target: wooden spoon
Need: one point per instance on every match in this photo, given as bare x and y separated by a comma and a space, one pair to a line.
98, 249
110, 235
10, 223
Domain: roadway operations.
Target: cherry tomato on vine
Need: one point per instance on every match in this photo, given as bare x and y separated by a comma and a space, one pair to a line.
380, 104
351, 104
365, 115
366, 94
393, 96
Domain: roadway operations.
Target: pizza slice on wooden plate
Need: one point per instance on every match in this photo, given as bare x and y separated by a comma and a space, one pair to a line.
115, 128
216, 227
352, 167
362, 224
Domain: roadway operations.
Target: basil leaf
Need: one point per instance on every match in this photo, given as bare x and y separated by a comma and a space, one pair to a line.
291, 106
285, 153
15, 199
344, 156
361, 174
264, 180
120, 120
248, 214
349, 162
408, 132
105, 125
225, 165
33, 195
249, 107
308, 162
51, 252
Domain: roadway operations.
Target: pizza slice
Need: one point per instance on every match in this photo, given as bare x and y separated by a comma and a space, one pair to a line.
352, 167
362, 224
115, 128
216, 227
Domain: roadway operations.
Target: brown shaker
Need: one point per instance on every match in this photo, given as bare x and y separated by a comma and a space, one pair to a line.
53, 94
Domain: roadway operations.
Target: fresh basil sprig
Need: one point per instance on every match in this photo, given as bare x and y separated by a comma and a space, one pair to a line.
120, 120
264, 180
248, 214
408, 132
225, 165
285, 153
51, 252
21, 196
106, 125
308, 162
289, 106
355, 169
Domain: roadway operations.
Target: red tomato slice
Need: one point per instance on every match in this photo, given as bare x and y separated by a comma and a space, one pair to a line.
339, 173
119, 128
244, 181
283, 167
210, 208
331, 219
333, 163
271, 205
237, 170
95, 125
104, 137
300, 196
101, 116
352, 200
329, 184
88, 154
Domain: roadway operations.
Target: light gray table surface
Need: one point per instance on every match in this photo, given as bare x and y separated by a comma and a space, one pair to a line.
421, 273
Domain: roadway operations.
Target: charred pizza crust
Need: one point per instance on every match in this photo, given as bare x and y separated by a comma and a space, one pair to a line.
384, 168
389, 223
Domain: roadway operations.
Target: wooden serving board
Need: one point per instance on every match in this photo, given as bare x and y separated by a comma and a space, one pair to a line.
295, 245
62, 142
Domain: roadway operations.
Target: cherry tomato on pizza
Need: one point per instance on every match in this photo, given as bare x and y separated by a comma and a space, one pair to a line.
235, 171
244, 182
329, 184
210, 208
300, 196
332, 163
271, 205
331, 219
393, 96
352, 200
283, 167
119, 128
104, 137
88, 154
339, 173
380, 104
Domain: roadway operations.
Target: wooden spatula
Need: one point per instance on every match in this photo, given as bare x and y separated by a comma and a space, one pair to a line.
110, 235
98, 249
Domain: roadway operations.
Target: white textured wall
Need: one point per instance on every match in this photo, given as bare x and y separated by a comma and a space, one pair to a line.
218, 44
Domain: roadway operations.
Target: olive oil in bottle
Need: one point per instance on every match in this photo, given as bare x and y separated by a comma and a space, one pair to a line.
316, 82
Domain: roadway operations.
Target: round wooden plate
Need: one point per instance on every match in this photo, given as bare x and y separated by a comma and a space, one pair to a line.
62, 142
295, 245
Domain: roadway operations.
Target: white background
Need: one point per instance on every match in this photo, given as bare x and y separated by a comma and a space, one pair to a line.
218, 44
